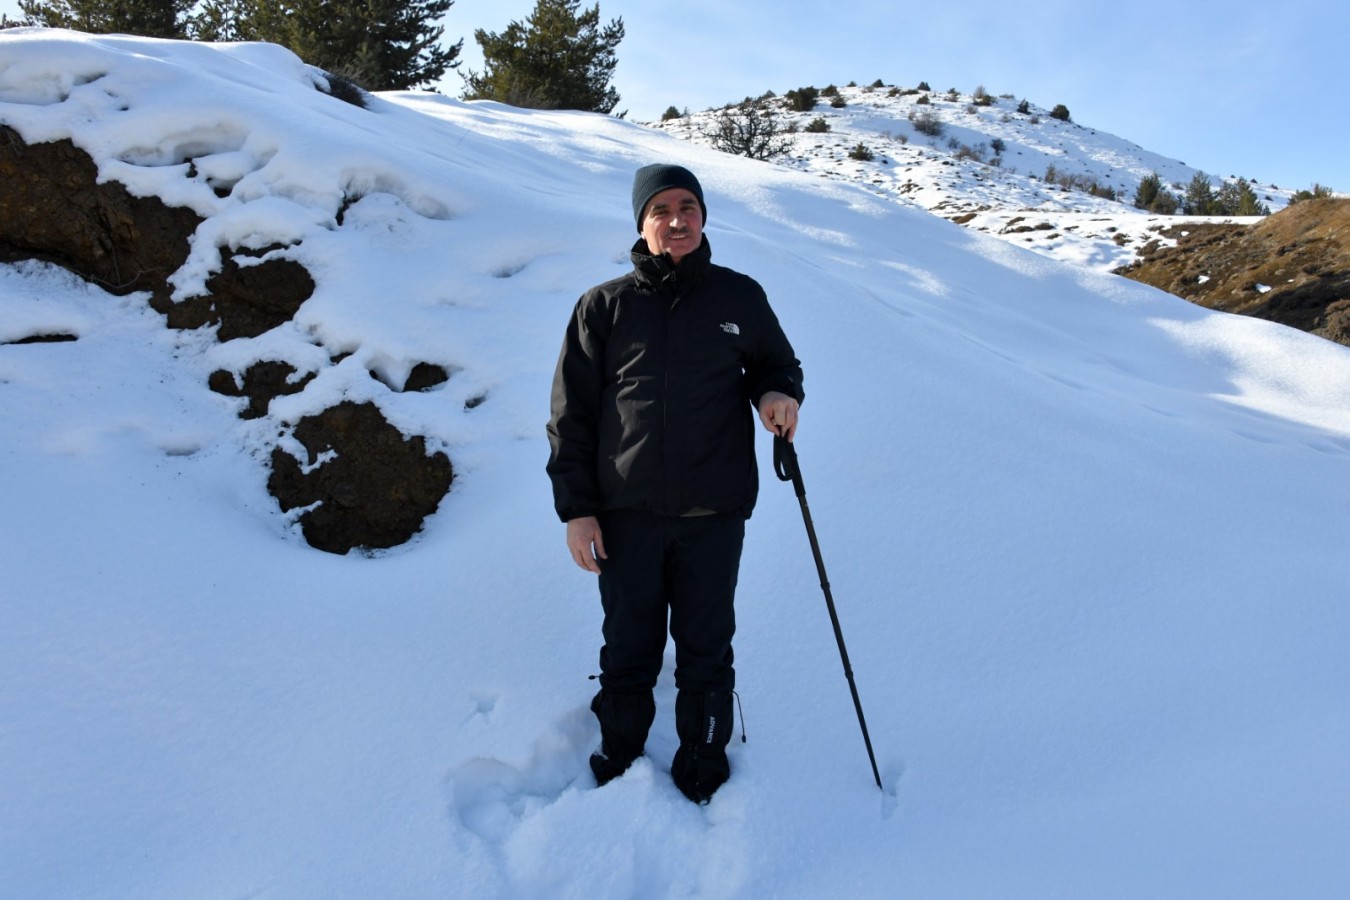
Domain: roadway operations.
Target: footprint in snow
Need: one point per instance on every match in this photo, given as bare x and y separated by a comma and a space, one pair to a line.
491, 797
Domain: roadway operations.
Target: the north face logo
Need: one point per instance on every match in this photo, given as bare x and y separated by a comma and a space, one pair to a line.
731, 328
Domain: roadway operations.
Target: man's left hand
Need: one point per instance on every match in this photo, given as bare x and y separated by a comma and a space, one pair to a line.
778, 412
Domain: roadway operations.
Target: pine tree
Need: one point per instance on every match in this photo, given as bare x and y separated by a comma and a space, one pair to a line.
384, 45
148, 18
1238, 199
559, 58
1199, 199
1153, 197
237, 20
1147, 192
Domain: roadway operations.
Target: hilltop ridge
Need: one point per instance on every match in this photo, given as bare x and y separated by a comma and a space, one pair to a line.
982, 161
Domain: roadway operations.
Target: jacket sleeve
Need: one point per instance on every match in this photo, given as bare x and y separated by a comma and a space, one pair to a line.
773, 365
575, 414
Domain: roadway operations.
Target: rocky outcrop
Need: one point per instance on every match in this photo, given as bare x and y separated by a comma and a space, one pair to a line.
1292, 267
373, 491
365, 484
53, 208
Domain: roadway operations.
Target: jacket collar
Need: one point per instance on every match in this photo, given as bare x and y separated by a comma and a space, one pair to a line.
654, 272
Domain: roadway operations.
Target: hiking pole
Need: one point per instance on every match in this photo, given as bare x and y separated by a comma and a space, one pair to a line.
785, 465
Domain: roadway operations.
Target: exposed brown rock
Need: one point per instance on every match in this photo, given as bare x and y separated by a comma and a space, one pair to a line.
53, 208
373, 493
245, 300
1292, 267
425, 376
58, 338
262, 381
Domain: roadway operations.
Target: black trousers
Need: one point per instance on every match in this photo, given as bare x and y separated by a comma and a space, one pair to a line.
680, 571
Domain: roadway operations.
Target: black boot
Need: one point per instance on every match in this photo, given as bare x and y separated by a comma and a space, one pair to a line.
625, 720
703, 722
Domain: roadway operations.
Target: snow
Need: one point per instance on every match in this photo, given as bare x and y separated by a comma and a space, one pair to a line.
1082, 537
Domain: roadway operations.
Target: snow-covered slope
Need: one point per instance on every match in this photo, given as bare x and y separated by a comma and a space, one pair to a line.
981, 161
1083, 538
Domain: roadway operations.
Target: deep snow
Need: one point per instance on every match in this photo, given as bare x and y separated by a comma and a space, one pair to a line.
1084, 538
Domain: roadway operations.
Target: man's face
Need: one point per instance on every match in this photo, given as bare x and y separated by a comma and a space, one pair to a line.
673, 223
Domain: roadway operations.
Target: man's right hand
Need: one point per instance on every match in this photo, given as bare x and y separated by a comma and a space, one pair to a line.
586, 543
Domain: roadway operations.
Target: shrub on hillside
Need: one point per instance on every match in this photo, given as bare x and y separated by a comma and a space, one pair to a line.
1105, 191
670, 113
818, 125
1024, 107
1318, 192
923, 86
746, 130
861, 152
1078, 181
964, 151
927, 122
1150, 186
1060, 112
1164, 204
802, 99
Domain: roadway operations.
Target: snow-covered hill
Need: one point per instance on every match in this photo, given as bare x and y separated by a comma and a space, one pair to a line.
1083, 537
986, 168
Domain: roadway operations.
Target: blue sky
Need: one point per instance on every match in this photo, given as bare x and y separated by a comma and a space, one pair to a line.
1238, 88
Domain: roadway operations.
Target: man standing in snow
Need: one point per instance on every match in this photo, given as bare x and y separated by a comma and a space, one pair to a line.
653, 470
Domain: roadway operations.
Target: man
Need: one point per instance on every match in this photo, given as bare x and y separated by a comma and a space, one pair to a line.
653, 470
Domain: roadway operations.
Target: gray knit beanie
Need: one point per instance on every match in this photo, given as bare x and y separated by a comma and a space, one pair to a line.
652, 180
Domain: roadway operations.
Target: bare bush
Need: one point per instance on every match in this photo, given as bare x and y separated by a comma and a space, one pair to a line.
927, 122
747, 130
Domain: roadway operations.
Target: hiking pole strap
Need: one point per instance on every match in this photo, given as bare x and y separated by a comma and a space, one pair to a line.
785, 464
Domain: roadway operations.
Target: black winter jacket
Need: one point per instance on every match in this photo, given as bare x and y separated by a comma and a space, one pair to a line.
651, 405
